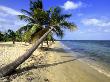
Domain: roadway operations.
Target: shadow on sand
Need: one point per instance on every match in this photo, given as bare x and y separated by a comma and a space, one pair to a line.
55, 49
19, 72
42, 66
24, 70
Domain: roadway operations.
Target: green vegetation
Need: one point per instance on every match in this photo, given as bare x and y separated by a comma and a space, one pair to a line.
10, 35
1, 36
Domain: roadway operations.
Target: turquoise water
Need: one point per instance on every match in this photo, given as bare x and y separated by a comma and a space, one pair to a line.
97, 51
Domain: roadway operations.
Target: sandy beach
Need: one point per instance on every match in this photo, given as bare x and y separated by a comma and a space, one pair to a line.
52, 65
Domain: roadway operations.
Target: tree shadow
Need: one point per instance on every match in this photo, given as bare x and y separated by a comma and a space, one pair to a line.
61, 50
49, 65
42, 66
19, 72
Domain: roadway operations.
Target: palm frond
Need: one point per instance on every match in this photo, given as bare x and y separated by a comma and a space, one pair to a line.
35, 28
50, 37
65, 16
26, 36
68, 25
24, 28
38, 34
26, 18
36, 5
26, 12
58, 31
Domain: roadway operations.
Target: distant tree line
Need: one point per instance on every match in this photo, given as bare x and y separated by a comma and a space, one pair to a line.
10, 35
20, 36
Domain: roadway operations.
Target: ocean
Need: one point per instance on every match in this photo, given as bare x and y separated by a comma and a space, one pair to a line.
96, 53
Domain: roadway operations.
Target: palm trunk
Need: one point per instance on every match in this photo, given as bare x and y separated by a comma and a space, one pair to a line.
53, 40
12, 66
13, 41
47, 44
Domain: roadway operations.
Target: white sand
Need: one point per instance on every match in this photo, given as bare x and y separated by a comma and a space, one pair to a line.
54, 65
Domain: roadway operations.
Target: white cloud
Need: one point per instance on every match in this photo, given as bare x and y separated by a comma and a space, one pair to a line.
69, 5
96, 22
107, 30
9, 19
7, 10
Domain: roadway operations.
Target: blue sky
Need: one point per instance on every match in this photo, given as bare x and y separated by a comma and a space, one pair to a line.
91, 16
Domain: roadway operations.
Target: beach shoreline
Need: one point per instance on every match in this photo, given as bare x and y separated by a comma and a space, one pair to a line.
93, 63
55, 65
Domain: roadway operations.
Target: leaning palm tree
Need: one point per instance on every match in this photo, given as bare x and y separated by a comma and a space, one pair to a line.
52, 21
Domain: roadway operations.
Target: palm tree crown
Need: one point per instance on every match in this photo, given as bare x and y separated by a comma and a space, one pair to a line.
37, 18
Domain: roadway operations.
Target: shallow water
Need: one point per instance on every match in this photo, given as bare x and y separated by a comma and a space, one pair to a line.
97, 52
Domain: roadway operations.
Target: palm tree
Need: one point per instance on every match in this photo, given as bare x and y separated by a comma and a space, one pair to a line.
12, 35
18, 36
52, 21
49, 38
1, 36
6, 37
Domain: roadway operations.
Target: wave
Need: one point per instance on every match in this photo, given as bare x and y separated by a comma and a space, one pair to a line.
102, 71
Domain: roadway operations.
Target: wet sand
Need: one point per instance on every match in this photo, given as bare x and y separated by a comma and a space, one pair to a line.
53, 65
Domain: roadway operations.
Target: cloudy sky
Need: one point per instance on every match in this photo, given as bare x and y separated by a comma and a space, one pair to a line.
92, 17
